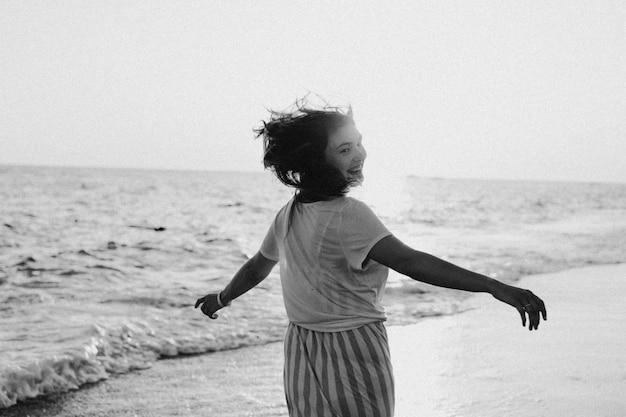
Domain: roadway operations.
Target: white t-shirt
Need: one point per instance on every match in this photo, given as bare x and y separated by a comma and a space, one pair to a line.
328, 282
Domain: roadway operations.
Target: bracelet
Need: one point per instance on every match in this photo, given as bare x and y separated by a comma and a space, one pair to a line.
219, 300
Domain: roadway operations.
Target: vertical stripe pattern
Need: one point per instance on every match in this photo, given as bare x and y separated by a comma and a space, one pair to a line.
338, 374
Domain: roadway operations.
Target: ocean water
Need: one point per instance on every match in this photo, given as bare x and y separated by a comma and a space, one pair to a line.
100, 268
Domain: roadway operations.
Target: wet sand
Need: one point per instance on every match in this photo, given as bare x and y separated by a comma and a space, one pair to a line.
483, 363
478, 363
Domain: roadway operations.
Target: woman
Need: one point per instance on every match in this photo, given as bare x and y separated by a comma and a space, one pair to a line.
334, 256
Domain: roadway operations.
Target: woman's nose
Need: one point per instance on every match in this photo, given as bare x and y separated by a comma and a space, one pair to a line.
363, 153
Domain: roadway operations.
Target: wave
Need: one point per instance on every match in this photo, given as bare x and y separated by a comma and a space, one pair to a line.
110, 351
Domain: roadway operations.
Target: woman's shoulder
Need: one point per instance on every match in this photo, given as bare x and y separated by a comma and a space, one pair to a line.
353, 203
358, 217
352, 207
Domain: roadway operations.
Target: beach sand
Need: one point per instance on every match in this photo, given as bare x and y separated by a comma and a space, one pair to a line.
477, 363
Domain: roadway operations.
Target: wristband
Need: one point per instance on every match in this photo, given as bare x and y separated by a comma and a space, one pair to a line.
219, 301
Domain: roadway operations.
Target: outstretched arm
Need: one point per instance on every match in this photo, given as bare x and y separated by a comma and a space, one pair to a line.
423, 267
255, 270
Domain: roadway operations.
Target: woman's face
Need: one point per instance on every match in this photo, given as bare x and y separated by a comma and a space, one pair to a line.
345, 152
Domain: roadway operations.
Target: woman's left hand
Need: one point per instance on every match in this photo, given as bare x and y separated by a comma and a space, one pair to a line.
525, 302
209, 305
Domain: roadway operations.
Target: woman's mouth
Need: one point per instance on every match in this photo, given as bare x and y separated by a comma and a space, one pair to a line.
356, 171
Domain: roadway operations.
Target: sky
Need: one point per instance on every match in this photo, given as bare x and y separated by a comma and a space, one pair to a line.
532, 90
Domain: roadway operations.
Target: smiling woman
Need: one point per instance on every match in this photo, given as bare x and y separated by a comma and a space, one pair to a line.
334, 256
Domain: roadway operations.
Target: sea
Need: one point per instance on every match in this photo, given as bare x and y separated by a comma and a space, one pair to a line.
100, 268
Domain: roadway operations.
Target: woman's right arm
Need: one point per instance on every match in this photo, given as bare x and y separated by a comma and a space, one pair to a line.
391, 252
255, 270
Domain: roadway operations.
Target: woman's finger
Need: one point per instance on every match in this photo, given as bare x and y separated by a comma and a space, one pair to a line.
522, 313
200, 301
527, 308
538, 310
532, 308
532, 320
542, 308
536, 319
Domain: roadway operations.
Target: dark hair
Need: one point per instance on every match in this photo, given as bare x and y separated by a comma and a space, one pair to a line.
294, 144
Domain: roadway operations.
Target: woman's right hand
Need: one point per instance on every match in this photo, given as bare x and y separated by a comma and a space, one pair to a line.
209, 304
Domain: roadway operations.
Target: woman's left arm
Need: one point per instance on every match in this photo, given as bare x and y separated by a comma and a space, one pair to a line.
420, 266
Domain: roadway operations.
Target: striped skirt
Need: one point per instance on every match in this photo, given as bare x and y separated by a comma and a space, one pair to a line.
338, 374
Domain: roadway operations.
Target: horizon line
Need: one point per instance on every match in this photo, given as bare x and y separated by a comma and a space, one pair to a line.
262, 170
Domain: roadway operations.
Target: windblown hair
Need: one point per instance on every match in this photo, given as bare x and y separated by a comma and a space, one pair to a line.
294, 144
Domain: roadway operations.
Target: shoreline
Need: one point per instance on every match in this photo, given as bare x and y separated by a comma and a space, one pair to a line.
478, 362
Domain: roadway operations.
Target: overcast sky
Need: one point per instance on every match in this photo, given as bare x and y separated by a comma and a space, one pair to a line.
507, 89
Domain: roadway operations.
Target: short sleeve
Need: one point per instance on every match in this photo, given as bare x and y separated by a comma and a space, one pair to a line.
359, 231
269, 247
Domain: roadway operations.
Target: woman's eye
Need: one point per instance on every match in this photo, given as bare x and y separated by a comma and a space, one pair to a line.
345, 150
